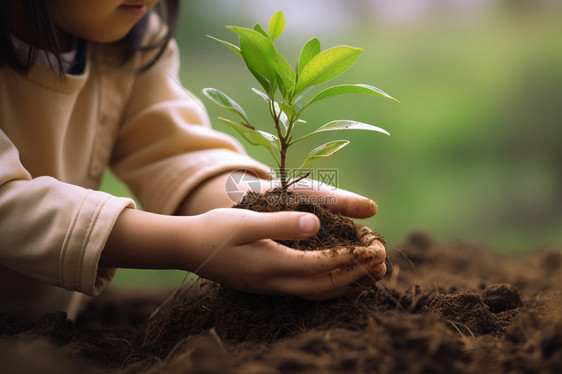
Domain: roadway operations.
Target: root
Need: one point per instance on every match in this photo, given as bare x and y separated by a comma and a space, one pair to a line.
403, 254
454, 324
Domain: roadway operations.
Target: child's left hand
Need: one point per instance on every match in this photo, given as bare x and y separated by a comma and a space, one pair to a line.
213, 194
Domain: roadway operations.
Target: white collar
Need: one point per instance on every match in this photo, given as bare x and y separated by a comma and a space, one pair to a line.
44, 57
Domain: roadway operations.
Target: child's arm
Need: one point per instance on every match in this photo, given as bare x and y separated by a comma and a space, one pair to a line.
51, 231
233, 247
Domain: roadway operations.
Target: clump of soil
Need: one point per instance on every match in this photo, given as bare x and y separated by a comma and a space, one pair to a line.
467, 312
335, 229
440, 309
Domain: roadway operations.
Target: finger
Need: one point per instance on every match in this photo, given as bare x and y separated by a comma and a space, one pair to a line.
293, 262
329, 285
277, 226
372, 278
338, 200
288, 261
345, 281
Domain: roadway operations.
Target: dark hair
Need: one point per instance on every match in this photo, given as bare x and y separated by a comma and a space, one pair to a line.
40, 33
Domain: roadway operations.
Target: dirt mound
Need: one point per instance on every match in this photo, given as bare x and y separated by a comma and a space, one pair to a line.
440, 309
335, 230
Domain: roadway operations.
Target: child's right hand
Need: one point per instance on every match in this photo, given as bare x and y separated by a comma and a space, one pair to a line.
235, 247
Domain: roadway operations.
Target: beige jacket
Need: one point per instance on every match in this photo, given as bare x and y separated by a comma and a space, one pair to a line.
56, 139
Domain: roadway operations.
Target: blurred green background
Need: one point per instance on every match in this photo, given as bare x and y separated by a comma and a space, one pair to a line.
475, 152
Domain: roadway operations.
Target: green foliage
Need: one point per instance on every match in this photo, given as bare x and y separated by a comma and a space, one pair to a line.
285, 90
276, 25
310, 49
226, 102
326, 66
325, 150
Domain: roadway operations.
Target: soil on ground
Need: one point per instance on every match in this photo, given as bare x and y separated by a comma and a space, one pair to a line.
442, 308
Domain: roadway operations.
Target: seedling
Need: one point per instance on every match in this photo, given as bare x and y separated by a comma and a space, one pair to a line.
285, 90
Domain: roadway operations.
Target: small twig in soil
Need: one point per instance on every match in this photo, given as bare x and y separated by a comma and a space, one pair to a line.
217, 338
454, 324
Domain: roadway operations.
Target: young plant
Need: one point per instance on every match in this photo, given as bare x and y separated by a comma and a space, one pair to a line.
285, 89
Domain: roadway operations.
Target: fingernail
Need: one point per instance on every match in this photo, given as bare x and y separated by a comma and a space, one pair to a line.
308, 224
369, 208
373, 207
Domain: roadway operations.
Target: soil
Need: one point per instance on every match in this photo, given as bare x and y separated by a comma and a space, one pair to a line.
335, 229
441, 308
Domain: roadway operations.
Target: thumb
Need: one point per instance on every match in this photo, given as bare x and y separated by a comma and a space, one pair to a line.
339, 200
277, 226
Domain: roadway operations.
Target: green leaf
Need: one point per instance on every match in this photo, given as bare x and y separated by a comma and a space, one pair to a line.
276, 25
289, 109
257, 65
263, 60
262, 94
325, 150
232, 47
251, 136
310, 49
348, 125
257, 52
223, 100
343, 125
260, 29
281, 114
285, 72
327, 65
350, 89
271, 138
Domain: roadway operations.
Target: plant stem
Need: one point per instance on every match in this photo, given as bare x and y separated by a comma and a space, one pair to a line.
284, 145
282, 169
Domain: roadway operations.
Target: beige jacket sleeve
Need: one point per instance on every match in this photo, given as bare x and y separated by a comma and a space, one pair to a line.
154, 134
53, 231
166, 146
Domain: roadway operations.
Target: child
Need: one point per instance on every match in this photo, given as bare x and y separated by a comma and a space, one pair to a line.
89, 84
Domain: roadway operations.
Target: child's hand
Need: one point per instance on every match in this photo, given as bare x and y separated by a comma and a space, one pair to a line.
345, 202
214, 194
235, 248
